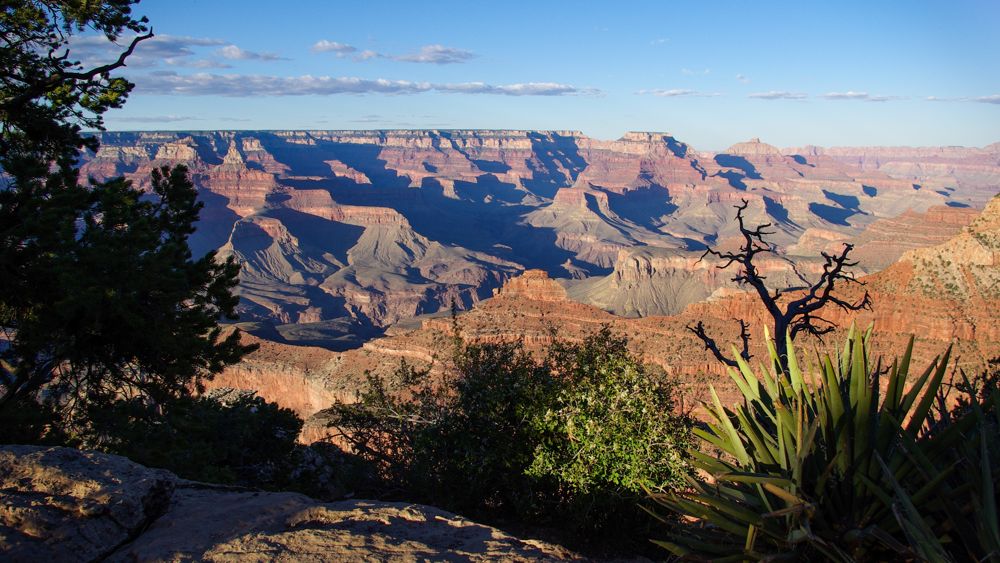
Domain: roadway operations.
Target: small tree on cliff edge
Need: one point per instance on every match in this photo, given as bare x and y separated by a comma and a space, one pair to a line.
100, 299
798, 315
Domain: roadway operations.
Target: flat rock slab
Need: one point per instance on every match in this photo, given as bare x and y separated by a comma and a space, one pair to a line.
61, 504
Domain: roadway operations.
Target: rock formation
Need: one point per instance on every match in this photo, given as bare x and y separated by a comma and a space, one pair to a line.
944, 295
352, 232
61, 504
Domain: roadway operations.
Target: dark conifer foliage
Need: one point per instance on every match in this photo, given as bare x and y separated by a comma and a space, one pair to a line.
100, 297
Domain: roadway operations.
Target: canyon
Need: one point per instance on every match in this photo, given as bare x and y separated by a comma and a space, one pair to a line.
344, 234
357, 247
943, 295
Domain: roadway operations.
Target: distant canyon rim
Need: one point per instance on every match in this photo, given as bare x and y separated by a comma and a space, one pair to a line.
364, 237
358, 230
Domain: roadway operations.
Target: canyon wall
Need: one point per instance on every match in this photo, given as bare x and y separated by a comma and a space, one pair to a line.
342, 234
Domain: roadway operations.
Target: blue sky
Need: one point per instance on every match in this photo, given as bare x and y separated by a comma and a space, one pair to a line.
889, 72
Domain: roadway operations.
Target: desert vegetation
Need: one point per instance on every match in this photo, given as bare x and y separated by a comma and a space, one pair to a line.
110, 325
841, 457
570, 441
844, 458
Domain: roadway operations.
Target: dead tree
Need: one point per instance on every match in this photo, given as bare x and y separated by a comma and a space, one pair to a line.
798, 315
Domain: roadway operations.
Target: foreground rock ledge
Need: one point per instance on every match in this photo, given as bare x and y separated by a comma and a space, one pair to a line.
61, 504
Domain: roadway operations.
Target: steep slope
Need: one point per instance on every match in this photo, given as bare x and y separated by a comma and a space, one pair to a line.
953, 170
943, 295
351, 232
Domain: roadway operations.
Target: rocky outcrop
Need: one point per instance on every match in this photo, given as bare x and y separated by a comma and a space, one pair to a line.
944, 295
376, 227
662, 281
60, 504
754, 147
885, 241
533, 285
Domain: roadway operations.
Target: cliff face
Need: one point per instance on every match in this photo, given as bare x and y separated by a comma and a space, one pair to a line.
944, 295
61, 504
376, 227
934, 167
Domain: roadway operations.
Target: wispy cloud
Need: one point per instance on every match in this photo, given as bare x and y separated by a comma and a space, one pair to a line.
428, 54
340, 49
695, 72
237, 85
862, 96
678, 92
198, 63
659, 41
94, 50
438, 55
992, 99
778, 95
232, 52
743, 78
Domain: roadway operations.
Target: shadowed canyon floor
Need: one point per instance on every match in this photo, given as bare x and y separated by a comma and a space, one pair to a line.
343, 234
945, 294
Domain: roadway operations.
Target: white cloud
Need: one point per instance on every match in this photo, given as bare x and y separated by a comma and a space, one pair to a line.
199, 63
341, 49
993, 99
778, 95
689, 72
428, 54
94, 50
171, 50
659, 41
678, 92
743, 78
862, 96
237, 85
438, 55
232, 52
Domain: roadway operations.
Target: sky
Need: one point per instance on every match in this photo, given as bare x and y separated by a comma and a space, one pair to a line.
712, 73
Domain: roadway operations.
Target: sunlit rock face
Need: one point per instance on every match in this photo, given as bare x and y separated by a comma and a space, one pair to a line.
343, 234
943, 295
62, 504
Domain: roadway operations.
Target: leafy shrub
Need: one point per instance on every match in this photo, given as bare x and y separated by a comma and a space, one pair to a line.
566, 442
818, 463
609, 434
233, 438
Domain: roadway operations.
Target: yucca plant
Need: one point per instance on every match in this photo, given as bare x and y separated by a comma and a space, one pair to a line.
821, 464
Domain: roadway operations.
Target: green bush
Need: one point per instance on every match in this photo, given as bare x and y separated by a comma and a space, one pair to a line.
822, 463
566, 442
609, 434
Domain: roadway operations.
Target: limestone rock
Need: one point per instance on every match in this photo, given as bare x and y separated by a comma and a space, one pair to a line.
753, 147
60, 504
